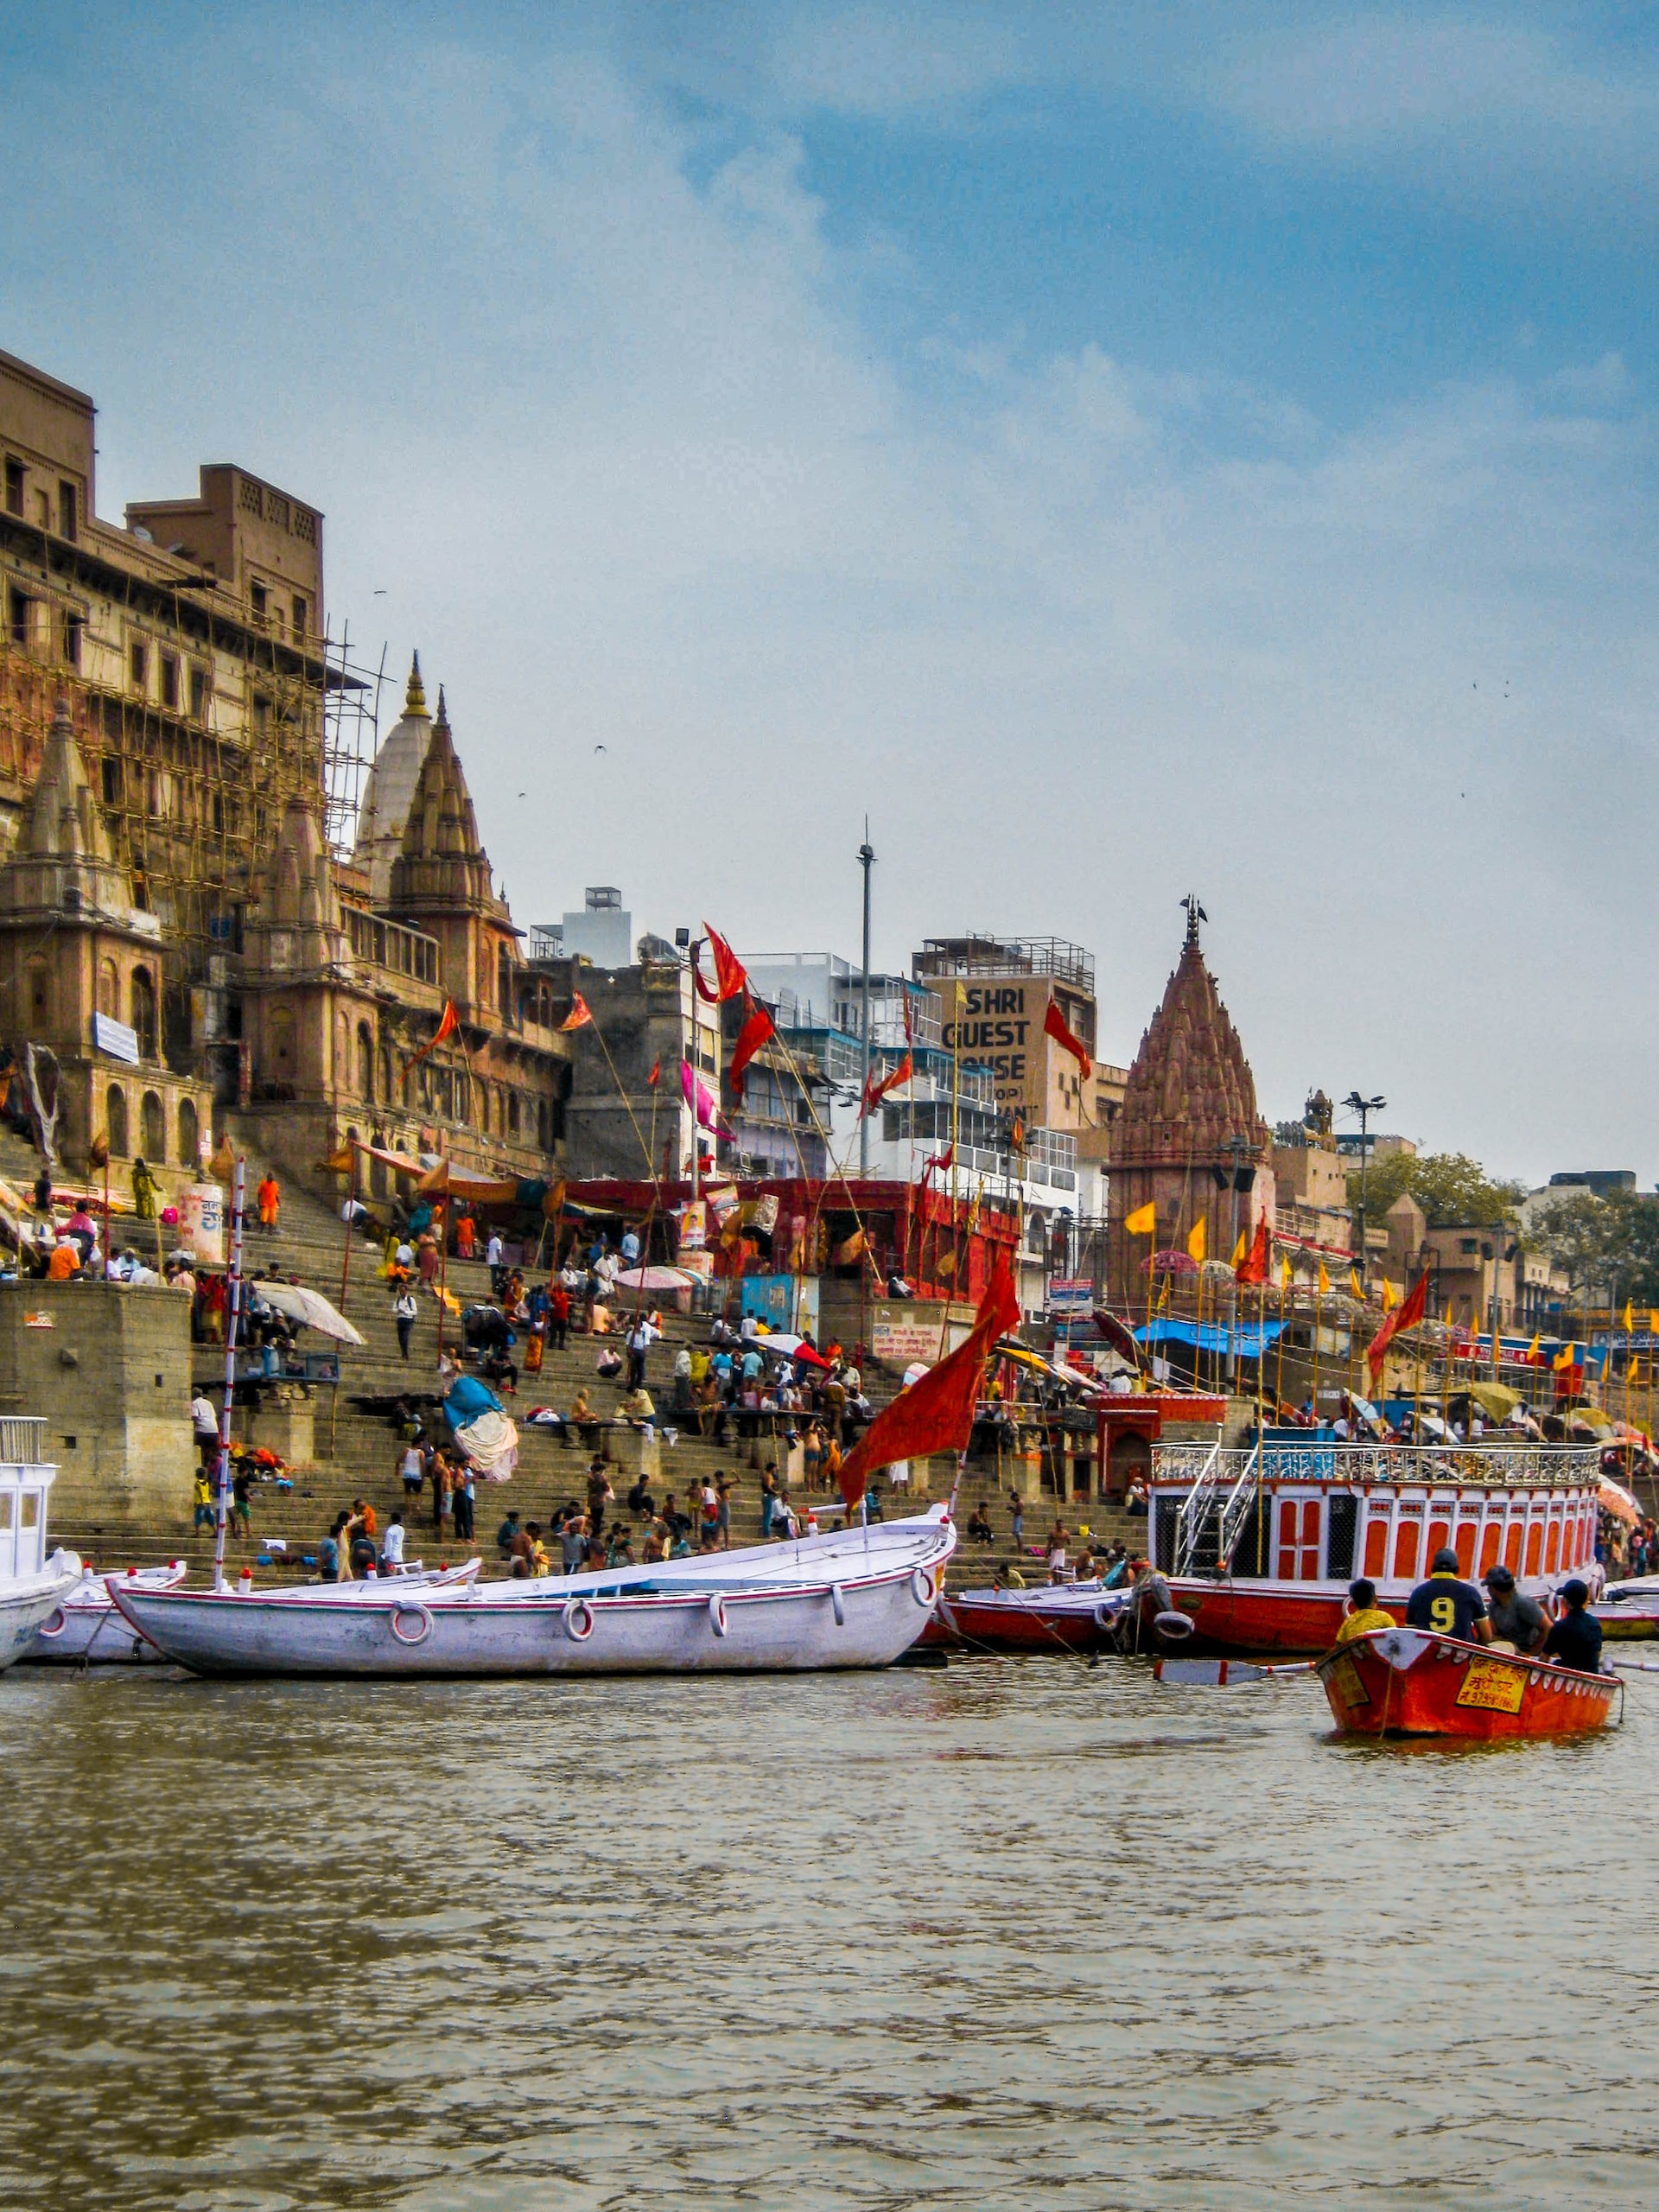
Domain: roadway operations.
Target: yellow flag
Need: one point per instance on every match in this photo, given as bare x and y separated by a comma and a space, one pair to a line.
1629, 1320
1195, 1241
1532, 1349
1284, 1271
1353, 1282
1163, 1297
1143, 1222
1653, 1321
1390, 1296
1239, 1250
1324, 1281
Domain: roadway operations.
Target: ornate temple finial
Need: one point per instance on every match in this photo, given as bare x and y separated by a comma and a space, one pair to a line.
444, 711
415, 698
1195, 914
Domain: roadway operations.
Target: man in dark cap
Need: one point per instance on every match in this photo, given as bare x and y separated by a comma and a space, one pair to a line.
1517, 1621
1576, 1639
1447, 1605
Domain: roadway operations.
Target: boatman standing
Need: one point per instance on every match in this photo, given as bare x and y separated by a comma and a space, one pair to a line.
1448, 1606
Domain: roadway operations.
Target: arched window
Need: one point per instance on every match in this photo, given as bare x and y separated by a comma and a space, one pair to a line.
115, 1121
282, 1044
143, 1012
109, 990
503, 982
384, 1093
378, 1167
38, 1016
483, 1108
540, 1123
365, 1060
154, 1119
512, 1113
189, 1134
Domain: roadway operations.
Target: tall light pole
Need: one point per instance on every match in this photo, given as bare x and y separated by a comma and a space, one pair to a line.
865, 861
1365, 1108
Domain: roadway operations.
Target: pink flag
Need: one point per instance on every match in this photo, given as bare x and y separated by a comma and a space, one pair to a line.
696, 1093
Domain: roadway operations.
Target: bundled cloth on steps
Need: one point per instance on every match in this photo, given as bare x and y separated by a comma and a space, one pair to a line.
481, 1429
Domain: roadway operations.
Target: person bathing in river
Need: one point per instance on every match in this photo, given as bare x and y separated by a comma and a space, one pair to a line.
1447, 1605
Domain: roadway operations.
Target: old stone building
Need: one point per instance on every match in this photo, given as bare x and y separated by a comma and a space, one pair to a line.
1188, 1141
196, 916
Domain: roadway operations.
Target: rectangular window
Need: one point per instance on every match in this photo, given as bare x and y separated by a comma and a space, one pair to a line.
169, 681
198, 694
66, 506
300, 612
261, 716
17, 618
72, 627
256, 601
138, 664
13, 486
112, 783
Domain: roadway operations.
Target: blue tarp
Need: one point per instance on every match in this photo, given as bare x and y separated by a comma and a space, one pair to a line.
468, 1398
1247, 1339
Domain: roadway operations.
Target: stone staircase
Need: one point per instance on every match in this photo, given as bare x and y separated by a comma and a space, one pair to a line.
357, 1452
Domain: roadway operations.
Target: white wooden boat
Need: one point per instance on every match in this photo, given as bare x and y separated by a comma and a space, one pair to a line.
32, 1582
858, 1598
87, 1629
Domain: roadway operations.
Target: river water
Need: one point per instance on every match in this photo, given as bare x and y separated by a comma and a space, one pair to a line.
1013, 1933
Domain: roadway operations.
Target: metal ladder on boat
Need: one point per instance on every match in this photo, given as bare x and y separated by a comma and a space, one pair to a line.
1214, 1512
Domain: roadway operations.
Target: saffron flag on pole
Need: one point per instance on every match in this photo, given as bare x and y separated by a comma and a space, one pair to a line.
581, 1012
446, 1027
1390, 1296
656, 1075
1406, 1316
1629, 1318
1054, 1026
1324, 1281
1284, 1271
1254, 1268
1195, 1240
730, 976
878, 1088
1239, 1250
755, 1031
937, 1413
1143, 1222
1353, 1282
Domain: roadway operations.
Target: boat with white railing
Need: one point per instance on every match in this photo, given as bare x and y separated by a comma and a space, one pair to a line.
32, 1581
88, 1628
857, 1597
1259, 1542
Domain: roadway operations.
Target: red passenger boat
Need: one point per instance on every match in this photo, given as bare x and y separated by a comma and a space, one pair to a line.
1405, 1682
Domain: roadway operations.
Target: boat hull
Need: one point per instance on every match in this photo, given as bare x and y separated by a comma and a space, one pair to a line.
25, 1603
811, 1612
1060, 1619
1292, 1620
1406, 1682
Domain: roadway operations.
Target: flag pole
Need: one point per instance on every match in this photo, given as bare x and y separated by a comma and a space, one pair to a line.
350, 1209
232, 1317
1319, 1309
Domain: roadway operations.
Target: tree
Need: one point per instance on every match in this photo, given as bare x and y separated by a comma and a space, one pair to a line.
1449, 1187
1609, 1246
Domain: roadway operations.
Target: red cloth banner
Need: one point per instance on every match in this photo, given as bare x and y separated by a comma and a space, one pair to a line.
580, 1015
1054, 1026
730, 976
878, 1090
751, 1037
937, 1413
1252, 1268
446, 1028
1405, 1316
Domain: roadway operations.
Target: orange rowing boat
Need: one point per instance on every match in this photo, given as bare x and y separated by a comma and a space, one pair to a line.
1405, 1682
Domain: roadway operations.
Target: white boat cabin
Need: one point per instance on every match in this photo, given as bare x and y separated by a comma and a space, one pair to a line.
25, 1478
1326, 1512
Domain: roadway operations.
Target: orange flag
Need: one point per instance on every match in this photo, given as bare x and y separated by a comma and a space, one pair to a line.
879, 1087
446, 1027
730, 976
1254, 1265
580, 1015
750, 1038
937, 1413
1054, 1026
1403, 1316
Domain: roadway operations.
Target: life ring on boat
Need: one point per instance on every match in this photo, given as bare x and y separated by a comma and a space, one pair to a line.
1172, 1628
1106, 1616
54, 1624
423, 1620
837, 1604
578, 1619
922, 1588
717, 1613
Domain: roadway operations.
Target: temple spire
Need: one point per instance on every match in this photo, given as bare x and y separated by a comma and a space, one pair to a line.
1195, 914
414, 696
444, 711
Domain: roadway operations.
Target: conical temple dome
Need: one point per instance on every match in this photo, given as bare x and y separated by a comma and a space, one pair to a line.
390, 790
1191, 1090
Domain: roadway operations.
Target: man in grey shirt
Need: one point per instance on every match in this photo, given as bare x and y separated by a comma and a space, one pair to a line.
1516, 1620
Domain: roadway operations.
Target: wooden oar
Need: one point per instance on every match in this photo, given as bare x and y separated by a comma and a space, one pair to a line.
1222, 1673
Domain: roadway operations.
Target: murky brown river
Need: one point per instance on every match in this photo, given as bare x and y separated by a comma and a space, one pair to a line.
1014, 1934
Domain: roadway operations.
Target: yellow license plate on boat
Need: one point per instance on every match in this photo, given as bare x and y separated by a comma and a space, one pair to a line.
1349, 1688
1490, 1684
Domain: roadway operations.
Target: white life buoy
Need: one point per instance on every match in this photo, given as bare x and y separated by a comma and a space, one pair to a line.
717, 1614
837, 1604
54, 1624
1106, 1616
1172, 1628
421, 1623
921, 1588
578, 1617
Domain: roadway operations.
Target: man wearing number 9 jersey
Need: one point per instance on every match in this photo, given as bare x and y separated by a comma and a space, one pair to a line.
1448, 1606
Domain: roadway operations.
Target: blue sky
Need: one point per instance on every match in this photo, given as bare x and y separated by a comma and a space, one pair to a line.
1119, 448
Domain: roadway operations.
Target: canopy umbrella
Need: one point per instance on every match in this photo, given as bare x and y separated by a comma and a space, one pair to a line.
1614, 1498
1495, 1400
796, 1347
1172, 1262
1589, 1420
1366, 1411
655, 1277
1121, 1338
310, 1307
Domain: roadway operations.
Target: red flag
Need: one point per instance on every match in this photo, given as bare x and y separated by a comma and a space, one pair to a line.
910, 1034
580, 1012
1406, 1316
656, 1075
1054, 1026
750, 1038
875, 1092
1252, 1268
937, 1413
446, 1027
730, 977
940, 1162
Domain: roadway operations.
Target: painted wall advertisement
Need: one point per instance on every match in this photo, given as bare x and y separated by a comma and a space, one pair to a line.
901, 1334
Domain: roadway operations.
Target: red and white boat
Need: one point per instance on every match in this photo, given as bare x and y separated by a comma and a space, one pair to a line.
1259, 1545
1058, 1617
1405, 1682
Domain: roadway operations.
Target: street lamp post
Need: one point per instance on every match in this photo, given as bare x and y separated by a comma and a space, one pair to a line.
1365, 1108
865, 861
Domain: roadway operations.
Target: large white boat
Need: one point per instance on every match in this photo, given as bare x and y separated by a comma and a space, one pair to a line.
88, 1628
32, 1583
858, 1598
